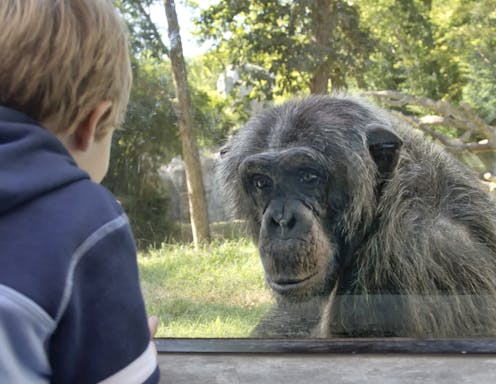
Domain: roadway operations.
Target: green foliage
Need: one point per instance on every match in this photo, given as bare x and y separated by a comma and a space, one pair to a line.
218, 291
472, 36
149, 137
224, 112
433, 48
411, 55
144, 36
147, 140
212, 121
291, 39
149, 213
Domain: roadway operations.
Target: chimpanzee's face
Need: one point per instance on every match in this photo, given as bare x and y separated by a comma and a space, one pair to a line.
289, 192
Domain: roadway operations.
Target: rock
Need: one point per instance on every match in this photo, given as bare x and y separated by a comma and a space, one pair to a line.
173, 176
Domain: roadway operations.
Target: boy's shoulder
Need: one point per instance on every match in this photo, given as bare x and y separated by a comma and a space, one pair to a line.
39, 178
51, 215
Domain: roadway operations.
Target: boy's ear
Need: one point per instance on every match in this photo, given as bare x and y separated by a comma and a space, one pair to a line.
85, 131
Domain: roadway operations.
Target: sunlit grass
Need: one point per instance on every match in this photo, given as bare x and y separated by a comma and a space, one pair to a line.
218, 291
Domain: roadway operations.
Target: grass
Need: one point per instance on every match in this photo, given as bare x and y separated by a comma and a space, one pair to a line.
218, 291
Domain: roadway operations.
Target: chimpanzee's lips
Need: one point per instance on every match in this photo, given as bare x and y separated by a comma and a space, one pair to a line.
287, 285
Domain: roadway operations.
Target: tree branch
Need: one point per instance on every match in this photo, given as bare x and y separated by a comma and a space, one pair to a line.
153, 28
463, 117
453, 145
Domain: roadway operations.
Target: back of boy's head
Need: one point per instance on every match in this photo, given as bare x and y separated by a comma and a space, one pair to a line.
60, 58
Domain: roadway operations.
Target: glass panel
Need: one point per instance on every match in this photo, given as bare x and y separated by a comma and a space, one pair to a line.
330, 216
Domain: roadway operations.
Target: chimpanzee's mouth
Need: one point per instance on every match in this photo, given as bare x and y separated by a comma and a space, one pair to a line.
287, 285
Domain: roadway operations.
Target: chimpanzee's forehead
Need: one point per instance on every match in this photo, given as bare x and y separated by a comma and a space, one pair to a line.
293, 156
326, 124
319, 138
336, 123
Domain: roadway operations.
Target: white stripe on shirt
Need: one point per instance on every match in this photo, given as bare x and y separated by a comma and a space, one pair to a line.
138, 371
90, 242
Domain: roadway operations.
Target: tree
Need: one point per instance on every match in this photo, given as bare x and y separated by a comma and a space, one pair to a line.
144, 34
411, 54
184, 112
441, 56
146, 140
146, 43
471, 36
307, 44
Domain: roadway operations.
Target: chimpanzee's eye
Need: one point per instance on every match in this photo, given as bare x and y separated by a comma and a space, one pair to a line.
309, 177
261, 181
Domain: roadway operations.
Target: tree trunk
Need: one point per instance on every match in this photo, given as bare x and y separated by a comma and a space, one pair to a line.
196, 192
321, 30
319, 81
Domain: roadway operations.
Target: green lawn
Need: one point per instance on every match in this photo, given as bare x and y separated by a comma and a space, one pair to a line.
218, 291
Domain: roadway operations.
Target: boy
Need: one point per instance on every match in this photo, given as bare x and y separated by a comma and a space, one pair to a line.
71, 309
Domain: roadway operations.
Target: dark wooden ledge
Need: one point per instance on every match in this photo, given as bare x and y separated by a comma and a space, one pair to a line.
335, 346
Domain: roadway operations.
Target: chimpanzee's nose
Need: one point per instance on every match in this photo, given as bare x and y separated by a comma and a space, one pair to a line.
285, 223
281, 218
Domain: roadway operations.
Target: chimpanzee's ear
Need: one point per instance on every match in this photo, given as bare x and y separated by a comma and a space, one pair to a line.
384, 146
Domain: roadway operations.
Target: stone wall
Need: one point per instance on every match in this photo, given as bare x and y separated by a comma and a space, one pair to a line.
173, 176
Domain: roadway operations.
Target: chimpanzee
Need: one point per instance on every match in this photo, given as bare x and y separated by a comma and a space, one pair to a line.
364, 227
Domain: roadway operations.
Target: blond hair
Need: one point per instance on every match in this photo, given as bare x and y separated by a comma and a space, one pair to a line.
60, 58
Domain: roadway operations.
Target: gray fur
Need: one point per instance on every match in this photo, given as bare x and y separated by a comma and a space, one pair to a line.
422, 251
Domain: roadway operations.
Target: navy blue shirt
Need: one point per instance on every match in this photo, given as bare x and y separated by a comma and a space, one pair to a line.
71, 309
